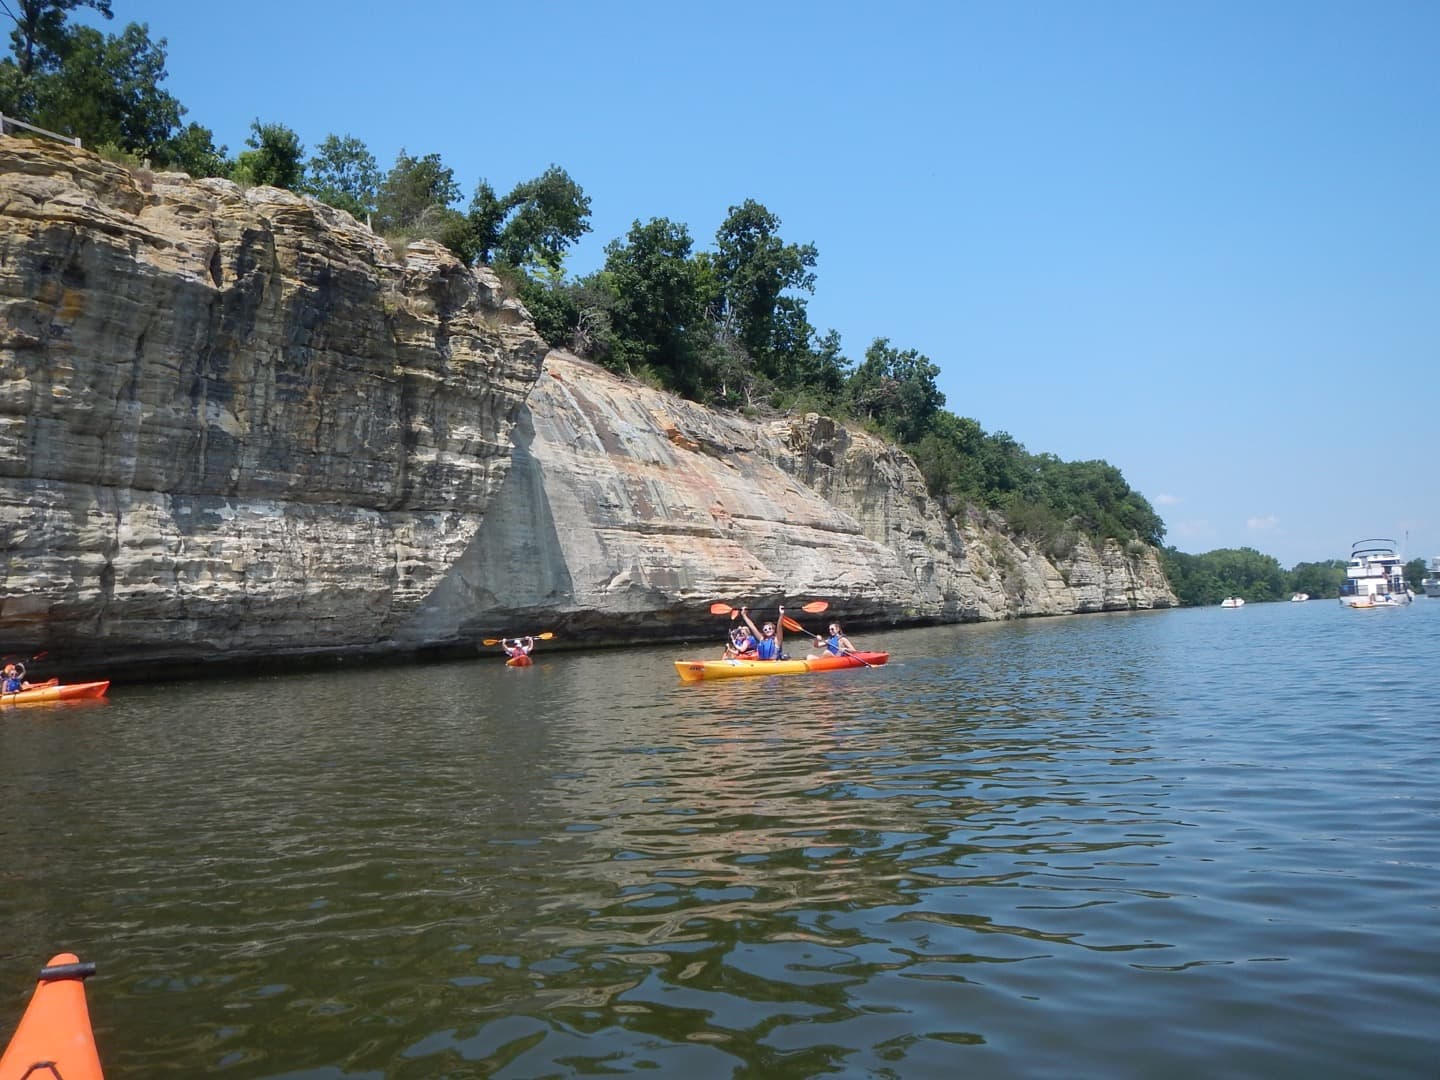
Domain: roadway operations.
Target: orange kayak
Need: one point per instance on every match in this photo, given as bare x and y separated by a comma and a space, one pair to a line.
54, 1036
519, 661
696, 670
38, 695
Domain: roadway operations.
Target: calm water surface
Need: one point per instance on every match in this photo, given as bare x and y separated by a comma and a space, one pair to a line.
1197, 843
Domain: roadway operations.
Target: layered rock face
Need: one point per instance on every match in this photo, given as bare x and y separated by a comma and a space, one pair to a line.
233, 424
628, 504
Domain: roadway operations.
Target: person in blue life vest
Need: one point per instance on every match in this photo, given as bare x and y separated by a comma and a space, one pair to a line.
837, 644
770, 638
519, 646
12, 681
741, 645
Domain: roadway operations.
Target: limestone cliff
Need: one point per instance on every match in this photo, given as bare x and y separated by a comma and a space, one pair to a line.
234, 424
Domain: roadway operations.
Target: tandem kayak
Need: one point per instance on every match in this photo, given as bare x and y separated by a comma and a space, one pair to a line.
54, 1037
38, 695
696, 670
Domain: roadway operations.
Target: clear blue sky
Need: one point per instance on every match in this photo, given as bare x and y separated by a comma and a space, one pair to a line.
1199, 241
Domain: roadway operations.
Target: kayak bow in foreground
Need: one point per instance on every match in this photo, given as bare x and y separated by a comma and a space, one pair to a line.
54, 1037
696, 670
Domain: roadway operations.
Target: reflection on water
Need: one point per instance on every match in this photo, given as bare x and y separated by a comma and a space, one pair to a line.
1182, 841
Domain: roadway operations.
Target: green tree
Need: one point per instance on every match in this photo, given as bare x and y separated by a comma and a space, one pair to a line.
1318, 580
1095, 495
193, 150
819, 374
660, 301
344, 174
41, 38
950, 458
1209, 578
533, 225
896, 390
105, 89
274, 158
416, 197
758, 273
1415, 574
574, 315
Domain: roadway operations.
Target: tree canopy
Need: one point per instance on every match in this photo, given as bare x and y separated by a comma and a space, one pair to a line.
532, 226
344, 174
274, 157
758, 274
1208, 578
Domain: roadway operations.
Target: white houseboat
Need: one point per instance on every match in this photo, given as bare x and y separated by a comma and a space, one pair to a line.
1375, 576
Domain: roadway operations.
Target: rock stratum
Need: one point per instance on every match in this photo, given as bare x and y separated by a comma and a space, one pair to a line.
236, 426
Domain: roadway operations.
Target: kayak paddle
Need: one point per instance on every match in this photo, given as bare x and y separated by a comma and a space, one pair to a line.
814, 607
791, 624
546, 636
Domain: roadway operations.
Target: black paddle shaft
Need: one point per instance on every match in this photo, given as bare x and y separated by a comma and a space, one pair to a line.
81, 970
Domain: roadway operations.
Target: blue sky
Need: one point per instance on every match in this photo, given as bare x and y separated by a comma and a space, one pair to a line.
1199, 241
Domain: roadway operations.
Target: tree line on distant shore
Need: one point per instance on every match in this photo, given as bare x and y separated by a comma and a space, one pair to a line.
727, 326
1209, 578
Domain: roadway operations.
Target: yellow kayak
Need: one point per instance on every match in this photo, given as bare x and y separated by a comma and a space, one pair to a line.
53, 691
696, 670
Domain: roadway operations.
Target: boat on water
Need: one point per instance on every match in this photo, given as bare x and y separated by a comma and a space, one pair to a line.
1299, 597
1233, 601
1431, 581
697, 670
1375, 576
44, 695
54, 1037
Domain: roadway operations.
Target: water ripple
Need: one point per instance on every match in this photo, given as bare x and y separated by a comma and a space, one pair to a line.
1078, 847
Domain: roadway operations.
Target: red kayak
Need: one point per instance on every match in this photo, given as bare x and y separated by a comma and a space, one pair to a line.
53, 691
54, 1036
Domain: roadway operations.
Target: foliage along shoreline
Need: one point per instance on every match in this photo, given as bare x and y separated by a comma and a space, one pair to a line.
727, 327
1207, 579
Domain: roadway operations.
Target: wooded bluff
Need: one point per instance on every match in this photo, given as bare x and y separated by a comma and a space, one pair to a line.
235, 426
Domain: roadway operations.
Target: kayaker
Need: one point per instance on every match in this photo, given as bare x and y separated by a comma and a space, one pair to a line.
769, 638
837, 644
517, 646
13, 680
741, 645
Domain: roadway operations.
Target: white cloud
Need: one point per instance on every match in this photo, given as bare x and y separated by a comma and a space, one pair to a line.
1268, 523
1167, 500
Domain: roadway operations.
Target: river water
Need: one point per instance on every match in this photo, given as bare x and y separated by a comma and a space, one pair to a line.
1195, 843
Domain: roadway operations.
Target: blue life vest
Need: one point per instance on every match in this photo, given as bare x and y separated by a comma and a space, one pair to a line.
768, 649
14, 685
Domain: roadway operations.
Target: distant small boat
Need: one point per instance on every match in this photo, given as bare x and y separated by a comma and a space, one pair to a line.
1431, 582
1375, 576
1233, 601
1299, 597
